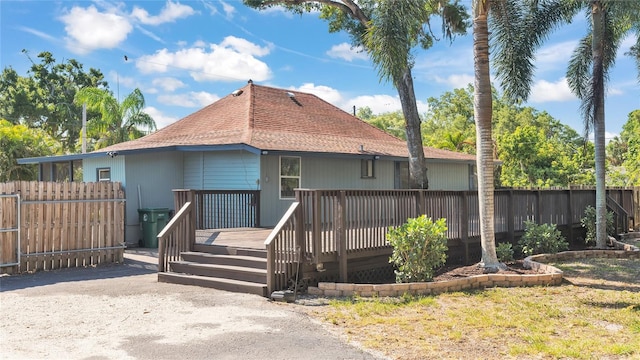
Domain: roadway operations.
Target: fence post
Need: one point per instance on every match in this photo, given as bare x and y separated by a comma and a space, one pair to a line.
420, 205
316, 232
538, 214
510, 220
570, 214
341, 234
464, 225
300, 222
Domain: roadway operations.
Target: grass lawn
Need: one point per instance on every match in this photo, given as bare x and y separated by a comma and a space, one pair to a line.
595, 314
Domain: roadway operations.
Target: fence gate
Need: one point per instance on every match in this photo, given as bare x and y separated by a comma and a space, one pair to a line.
9, 230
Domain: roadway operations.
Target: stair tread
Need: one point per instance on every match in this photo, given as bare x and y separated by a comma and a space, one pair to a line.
213, 279
216, 266
214, 256
237, 286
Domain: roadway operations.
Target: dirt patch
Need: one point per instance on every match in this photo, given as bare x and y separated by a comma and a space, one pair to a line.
458, 271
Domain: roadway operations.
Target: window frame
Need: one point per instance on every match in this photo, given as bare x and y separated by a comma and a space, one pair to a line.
364, 168
281, 177
99, 171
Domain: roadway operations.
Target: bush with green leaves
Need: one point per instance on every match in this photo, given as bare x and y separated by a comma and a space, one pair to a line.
419, 247
541, 239
588, 222
504, 251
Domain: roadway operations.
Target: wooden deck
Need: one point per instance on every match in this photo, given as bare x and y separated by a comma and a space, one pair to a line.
250, 238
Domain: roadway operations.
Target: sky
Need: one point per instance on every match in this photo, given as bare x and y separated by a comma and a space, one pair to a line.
184, 55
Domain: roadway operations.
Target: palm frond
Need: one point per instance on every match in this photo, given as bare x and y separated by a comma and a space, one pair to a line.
518, 30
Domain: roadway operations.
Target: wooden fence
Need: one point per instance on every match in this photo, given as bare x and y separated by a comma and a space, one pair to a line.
48, 225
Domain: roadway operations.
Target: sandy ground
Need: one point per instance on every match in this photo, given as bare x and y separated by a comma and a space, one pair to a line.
122, 312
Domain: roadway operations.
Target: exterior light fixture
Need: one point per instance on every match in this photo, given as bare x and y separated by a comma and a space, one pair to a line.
237, 92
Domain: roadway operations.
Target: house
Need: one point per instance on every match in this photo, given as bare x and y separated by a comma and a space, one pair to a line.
260, 138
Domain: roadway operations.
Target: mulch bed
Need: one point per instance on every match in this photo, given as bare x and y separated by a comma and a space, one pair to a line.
459, 271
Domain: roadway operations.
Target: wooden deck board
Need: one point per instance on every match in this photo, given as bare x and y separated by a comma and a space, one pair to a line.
252, 238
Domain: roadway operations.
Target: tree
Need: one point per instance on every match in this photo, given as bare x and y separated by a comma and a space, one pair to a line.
587, 73
118, 122
391, 123
449, 123
44, 99
532, 157
517, 30
630, 138
388, 30
19, 141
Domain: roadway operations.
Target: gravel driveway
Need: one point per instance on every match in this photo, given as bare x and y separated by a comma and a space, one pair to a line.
122, 312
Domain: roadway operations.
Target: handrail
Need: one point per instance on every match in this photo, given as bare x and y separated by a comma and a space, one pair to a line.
283, 250
177, 236
622, 217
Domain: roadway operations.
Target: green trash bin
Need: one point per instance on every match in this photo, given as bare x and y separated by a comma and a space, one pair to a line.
152, 222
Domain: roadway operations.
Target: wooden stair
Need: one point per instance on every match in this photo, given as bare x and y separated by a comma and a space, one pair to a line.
221, 267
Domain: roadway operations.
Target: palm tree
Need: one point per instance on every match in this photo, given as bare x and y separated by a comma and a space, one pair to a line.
611, 21
119, 122
518, 27
388, 30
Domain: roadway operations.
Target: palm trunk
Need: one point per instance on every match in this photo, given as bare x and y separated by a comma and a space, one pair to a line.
598, 18
482, 108
417, 169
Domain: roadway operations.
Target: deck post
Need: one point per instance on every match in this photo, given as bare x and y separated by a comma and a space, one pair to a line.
510, 220
316, 235
570, 214
464, 224
341, 234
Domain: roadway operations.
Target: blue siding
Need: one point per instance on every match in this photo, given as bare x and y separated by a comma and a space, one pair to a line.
222, 170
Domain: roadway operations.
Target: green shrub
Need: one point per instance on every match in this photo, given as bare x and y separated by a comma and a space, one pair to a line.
541, 239
504, 252
588, 222
419, 247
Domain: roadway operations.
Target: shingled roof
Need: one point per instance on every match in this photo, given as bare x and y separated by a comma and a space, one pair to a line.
275, 119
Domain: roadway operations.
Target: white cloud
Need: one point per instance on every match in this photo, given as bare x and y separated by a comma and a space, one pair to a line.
626, 44
88, 29
545, 91
125, 81
169, 13
161, 119
191, 99
347, 52
614, 91
231, 60
326, 93
380, 104
168, 83
456, 80
555, 56
229, 10
37, 33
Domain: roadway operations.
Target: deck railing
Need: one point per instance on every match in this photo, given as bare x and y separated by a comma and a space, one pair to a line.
179, 235
223, 209
350, 224
283, 250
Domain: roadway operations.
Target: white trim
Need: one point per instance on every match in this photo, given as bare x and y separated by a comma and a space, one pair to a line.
280, 176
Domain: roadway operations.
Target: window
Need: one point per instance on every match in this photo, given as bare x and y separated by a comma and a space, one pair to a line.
289, 176
367, 169
104, 174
